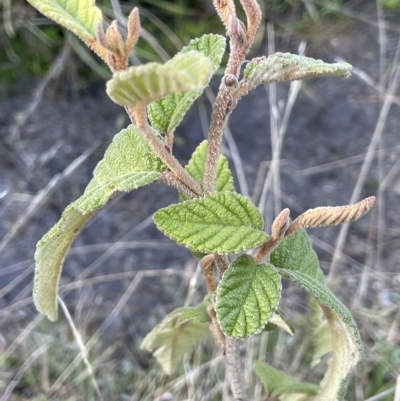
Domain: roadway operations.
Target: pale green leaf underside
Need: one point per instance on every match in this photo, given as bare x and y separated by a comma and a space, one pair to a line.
49, 256
277, 321
277, 382
139, 86
165, 114
323, 295
290, 67
196, 166
224, 222
247, 297
295, 253
176, 334
128, 164
79, 16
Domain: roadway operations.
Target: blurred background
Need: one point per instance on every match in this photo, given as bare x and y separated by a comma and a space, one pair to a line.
340, 143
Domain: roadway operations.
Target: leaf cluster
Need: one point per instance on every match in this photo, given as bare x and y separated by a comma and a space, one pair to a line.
211, 219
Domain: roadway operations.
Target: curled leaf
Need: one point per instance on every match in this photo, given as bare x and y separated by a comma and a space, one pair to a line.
331, 216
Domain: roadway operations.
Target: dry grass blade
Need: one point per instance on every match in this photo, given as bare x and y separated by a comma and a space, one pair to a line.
331, 216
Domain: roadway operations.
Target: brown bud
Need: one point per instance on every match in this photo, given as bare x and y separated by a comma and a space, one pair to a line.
226, 10
133, 30
115, 40
280, 224
253, 14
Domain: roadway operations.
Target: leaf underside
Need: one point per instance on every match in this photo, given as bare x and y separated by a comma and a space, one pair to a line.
176, 334
139, 86
166, 113
290, 67
128, 163
223, 222
247, 297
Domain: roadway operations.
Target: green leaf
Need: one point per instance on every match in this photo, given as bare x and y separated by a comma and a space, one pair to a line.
138, 86
323, 295
128, 164
321, 335
79, 16
223, 222
196, 166
247, 297
345, 355
278, 322
296, 261
277, 382
290, 67
295, 253
166, 113
49, 256
176, 334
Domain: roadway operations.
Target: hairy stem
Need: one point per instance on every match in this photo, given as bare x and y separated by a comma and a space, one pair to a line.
138, 116
169, 178
235, 374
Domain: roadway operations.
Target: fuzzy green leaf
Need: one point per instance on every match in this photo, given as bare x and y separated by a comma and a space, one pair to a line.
128, 164
277, 382
223, 222
196, 166
345, 355
176, 334
295, 253
290, 67
49, 256
247, 297
321, 335
138, 86
323, 295
79, 16
166, 113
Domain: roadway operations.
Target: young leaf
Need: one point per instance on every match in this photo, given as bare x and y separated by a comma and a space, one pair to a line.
176, 334
223, 222
277, 382
128, 164
345, 355
277, 321
295, 253
321, 335
166, 113
138, 86
49, 256
290, 67
247, 297
196, 165
79, 16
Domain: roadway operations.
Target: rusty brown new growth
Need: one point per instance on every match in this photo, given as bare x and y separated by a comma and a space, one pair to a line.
112, 41
253, 14
278, 230
133, 30
207, 265
331, 216
226, 10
